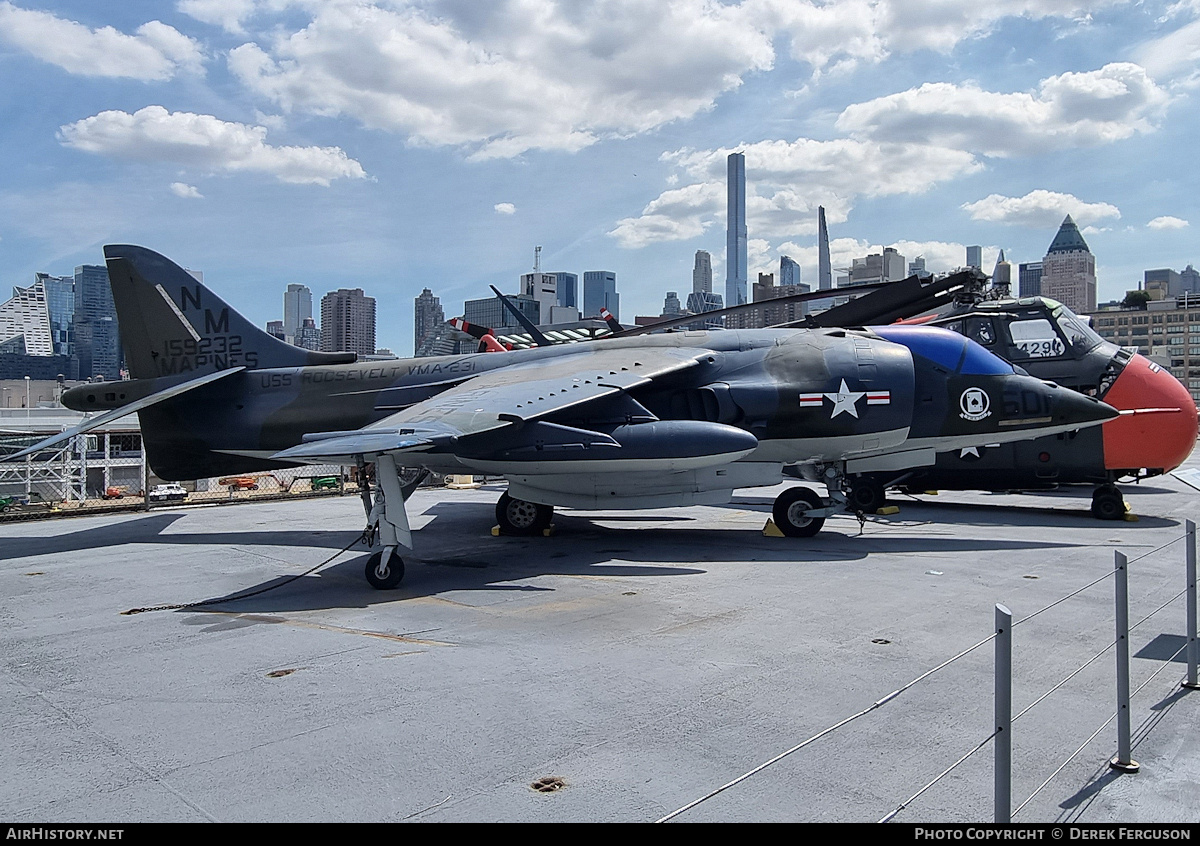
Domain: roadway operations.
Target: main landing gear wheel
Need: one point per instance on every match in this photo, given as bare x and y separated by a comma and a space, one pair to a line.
788, 512
522, 518
1108, 503
866, 495
389, 575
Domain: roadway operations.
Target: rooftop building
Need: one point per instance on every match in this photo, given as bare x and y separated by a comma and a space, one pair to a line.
348, 322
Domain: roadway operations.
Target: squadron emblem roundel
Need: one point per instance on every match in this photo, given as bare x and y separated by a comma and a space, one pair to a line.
975, 404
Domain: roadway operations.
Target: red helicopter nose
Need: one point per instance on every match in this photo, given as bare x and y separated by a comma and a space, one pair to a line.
1163, 435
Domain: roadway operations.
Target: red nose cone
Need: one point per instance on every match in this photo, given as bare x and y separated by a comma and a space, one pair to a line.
1152, 439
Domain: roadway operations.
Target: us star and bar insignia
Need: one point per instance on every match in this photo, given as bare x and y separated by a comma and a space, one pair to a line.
845, 400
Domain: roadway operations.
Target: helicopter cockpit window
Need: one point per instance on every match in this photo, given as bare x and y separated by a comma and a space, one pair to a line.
1035, 338
1080, 337
979, 330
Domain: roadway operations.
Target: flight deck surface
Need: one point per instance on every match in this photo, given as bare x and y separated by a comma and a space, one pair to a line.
642, 659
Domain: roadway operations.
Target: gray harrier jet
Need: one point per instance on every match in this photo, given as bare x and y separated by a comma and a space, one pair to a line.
653, 421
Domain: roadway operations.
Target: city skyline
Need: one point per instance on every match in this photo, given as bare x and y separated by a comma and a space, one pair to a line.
272, 143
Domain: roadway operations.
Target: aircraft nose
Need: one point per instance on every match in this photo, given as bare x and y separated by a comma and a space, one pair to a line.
1158, 430
1070, 407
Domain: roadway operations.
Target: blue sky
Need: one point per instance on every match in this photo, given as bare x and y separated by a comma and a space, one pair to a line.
396, 145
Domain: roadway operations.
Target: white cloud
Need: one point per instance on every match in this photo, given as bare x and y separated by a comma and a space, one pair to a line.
1167, 222
506, 78
182, 189
155, 52
154, 134
837, 36
675, 215
1174, 55
790, 180
513, 75
227, 14
1068, 110
505, 208
1039, 209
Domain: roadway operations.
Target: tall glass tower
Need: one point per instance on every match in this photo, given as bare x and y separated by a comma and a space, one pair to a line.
97, 339
297, 306
702, 273
568, 283
600, 291
735, 239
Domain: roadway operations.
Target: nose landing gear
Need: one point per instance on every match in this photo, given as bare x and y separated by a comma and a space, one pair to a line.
793, 509
1108, 503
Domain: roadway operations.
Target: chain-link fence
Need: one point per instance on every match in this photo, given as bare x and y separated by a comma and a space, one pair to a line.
103, 472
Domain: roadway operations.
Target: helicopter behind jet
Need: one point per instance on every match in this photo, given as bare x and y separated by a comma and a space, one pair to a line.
1154, 434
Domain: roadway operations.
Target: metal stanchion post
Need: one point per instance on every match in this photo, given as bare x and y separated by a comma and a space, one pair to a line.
1124, 761
1003, 711
1192, 648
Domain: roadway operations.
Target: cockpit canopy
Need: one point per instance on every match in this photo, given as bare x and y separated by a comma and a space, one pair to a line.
1036, 328
949, 350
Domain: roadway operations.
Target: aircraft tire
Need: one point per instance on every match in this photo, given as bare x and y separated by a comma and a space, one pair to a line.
394, 572
788, 512
866, 495
1107, 503
521, 518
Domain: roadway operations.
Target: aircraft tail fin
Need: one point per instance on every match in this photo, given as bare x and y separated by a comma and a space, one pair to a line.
170, 323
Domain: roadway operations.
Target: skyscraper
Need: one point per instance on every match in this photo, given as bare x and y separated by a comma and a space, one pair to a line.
698, 302
916, 267
789, 272
60, 300
297, 305
568, 284
887, 266
672, 307
1029, 275
824, 267
1069, 269
26, 317
702, 273
348, 322
275, 329
1161, 283
768, 313
542, 287
975, 257
600, 291
736, 258
1189, 279
97, 342
308, 336
490, 312
427, 316
1002, 274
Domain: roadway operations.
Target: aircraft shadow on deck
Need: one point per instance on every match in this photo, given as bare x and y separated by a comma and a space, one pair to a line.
455, 551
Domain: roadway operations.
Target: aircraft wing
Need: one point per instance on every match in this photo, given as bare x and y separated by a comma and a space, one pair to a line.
499, 399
